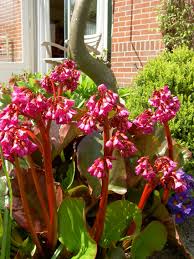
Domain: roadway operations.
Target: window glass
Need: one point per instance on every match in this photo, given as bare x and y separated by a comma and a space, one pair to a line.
11, 31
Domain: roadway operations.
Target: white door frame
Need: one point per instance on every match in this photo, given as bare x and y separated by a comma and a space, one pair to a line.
27, 63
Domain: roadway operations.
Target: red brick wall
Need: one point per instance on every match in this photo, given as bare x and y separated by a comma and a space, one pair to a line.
10, 30
136, 37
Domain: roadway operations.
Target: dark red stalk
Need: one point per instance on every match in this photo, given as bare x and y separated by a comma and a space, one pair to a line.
47, 159
170, 154
169, 140
98, 227
39, 191
34, 138
26, 207
54, 90
145, 195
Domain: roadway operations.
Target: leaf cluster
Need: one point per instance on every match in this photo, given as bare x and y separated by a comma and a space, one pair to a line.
176, 70
176, 21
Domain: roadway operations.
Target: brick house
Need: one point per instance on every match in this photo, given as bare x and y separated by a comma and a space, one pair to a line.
129, 31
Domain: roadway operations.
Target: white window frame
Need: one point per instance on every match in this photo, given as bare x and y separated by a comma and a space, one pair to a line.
27, 63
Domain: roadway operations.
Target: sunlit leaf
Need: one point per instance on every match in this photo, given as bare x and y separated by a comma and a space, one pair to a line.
72, 229
151, 239
89, 149
119, 215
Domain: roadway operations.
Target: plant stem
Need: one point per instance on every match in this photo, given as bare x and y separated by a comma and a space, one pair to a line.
26, 207
5, 244
169, 140
38, 190
145, 195
98, 227
47, 158
170, 154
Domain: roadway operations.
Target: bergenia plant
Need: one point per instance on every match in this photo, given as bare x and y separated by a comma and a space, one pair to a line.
25, 133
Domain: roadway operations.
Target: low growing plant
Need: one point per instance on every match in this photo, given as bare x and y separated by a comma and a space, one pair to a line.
116, 175
176, 70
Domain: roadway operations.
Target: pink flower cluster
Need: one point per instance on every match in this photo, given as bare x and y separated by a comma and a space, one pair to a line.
15, 142
60, 110
28, 103
64, 75
164, 169
121, 142
144, 122
100, 106
166, 104
99, 166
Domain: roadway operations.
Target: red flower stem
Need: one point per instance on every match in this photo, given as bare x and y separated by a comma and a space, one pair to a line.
38, 190
98, 227
47, 159
145, 195
54, 90
166, 192
60, 90
26, 207
169, 140
34, 138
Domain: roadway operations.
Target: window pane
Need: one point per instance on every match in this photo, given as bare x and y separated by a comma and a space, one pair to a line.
10, 30
91, 22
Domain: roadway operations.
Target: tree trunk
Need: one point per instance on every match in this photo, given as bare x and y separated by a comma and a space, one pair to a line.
92, 67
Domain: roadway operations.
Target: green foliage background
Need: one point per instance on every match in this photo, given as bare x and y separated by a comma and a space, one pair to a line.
176, 21
175, 69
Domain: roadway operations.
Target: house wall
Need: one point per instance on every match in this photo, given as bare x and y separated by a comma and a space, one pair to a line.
135, 38
10, 31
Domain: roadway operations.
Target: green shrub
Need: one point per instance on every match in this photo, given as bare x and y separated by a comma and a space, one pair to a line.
176, 70
176, 21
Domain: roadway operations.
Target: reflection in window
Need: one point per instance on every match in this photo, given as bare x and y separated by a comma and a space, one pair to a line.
91, 23
10, 31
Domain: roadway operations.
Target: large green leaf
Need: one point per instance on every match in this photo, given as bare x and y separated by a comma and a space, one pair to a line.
62, 135
149, 145
1, 228
118, 177
72, 230
89, 149
68, 181
119, 215
151, 239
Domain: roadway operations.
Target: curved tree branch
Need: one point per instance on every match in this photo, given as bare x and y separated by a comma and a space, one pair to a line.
94, 68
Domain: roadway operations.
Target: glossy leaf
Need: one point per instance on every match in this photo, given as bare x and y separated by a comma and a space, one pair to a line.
151, 239
89, 149
119, 215
67, 182
72, 229
62, 135
116, 253
117, 179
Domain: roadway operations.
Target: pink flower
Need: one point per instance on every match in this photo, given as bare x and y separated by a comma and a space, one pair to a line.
87, 124
66, 75
120, 141
165, 166
100, 106
60, 110
120, 121
48, 84
8, 117
145, 122
15, 142
99, 166
28, 103
145, 169
166, 104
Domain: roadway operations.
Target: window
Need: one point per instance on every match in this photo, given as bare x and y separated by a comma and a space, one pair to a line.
11, 31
